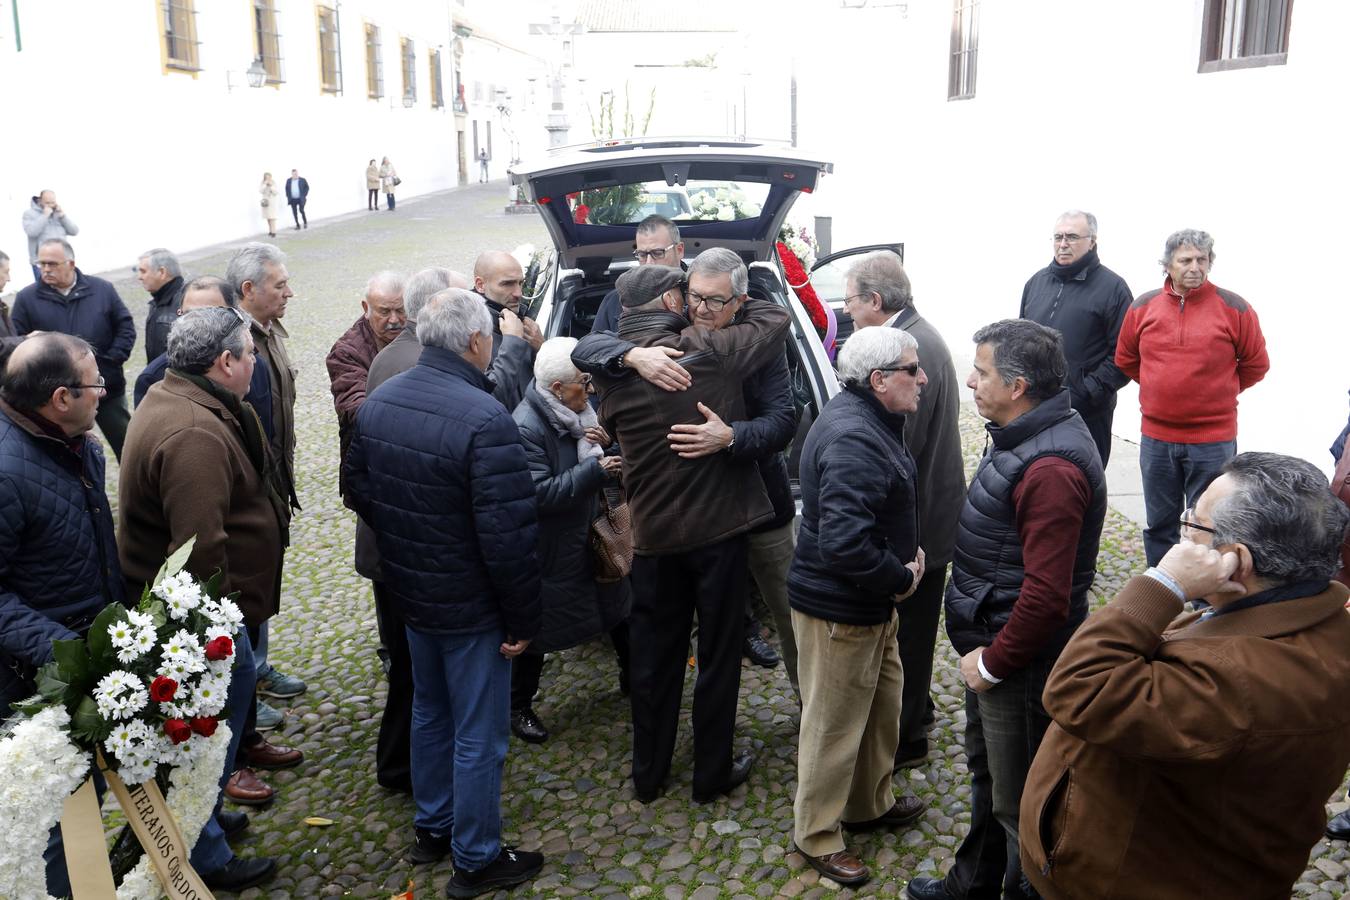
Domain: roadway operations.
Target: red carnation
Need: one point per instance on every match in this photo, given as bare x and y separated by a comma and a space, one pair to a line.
204, 725
177, 730
162, 689
219, 648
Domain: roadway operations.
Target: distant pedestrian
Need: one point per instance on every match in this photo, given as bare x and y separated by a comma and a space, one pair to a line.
1085, 302
1193, 347
388, 181
297, 193
482, 166
268, 190
6, 327
372, 186
42, 221
69, 301
160, 273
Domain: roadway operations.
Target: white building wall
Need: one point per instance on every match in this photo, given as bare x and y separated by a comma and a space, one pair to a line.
140, 157
1098, 105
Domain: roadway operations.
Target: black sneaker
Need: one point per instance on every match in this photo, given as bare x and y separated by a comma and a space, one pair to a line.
240, 873
428, 847
510, 868
759, 651
526, 726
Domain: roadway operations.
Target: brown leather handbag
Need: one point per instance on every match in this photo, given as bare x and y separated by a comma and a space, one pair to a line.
1340, 486
611, 539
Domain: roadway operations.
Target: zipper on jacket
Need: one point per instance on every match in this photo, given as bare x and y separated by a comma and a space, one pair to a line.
1181, 323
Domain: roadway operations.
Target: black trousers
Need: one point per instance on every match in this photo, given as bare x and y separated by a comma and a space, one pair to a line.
251, 736
393, 748
1098, 422
915, 637
298, 212
667, 593
527, 668
373, 200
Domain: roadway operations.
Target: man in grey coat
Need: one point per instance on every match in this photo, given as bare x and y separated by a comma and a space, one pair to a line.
45, 220
878, 293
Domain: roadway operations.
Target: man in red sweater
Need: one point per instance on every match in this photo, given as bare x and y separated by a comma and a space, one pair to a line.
1193, 347
1026, 553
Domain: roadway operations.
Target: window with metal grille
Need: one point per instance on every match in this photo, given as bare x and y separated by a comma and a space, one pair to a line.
965, 49
179, 21
330, 61
409, 70
1241, 34
437, 93
267, 40
374, 63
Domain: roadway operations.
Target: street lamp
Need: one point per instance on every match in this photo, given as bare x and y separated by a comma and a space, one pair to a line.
409, 99
255, 73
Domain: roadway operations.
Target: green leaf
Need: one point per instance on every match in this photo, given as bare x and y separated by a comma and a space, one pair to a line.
212, 586
86, 724
50, 684
174, 564
157, 611
100, 643
73, 662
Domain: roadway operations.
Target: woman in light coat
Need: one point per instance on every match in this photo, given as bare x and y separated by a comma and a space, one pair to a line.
372, 185
387, 179
268, 190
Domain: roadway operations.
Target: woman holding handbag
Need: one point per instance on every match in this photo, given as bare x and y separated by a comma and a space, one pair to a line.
268, 190
389, 180
564, 445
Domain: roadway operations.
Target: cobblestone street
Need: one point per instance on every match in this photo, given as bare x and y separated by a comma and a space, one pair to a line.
570, 797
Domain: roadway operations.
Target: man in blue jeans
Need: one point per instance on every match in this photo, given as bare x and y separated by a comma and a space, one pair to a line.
1193, 347
437, 470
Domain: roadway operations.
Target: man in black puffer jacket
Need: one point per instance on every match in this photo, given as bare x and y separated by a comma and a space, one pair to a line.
857, 556
437, 470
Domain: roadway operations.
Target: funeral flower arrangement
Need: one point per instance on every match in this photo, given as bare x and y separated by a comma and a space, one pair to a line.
797, 251
722, 204
146, 689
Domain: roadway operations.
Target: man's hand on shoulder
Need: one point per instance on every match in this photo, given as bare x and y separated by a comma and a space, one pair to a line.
704, 439
657, 365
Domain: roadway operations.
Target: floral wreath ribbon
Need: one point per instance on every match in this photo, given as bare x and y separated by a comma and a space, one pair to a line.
154, 826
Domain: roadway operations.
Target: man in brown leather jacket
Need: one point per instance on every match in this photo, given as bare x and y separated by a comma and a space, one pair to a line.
690, 519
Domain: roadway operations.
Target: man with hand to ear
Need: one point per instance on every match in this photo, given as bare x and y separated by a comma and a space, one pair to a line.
1230, 722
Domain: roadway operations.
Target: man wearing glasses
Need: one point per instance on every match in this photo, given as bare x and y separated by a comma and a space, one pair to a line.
1193, 347
1230, 722
656, 243
69, 301
1026, 556
1084, 301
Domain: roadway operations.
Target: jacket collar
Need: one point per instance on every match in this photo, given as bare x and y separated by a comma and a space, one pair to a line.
277, 328
45, 433
907, 317
1078, 270
1032, 423
1202, 292
651, 322
1268, 621
79, 289
453, 364
176, 383
167, 292
893, 422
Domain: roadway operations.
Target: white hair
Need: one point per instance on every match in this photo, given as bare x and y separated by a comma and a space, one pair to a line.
872, 348
386, 284
451, 318
554, 361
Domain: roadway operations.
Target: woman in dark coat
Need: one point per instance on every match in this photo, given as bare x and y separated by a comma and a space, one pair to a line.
564, 445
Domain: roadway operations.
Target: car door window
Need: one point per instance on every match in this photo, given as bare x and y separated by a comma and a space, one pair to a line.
829, 274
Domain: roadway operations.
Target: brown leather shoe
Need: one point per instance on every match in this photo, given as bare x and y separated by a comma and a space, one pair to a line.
264, 755
247, 789
904, 811
841, 866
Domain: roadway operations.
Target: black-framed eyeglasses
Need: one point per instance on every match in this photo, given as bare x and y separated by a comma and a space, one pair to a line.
1061, 238
851, 297
912, 369
658, 254
101, 386
1188, 522
715, 304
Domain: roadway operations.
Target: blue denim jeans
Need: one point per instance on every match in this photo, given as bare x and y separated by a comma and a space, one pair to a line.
1174, 477
211, 851
1004, 727
460, 729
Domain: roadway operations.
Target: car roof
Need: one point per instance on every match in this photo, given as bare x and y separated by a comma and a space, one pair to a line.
564, 171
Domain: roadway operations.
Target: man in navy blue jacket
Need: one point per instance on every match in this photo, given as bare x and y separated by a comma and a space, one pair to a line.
437, 470
297, 195
71, 302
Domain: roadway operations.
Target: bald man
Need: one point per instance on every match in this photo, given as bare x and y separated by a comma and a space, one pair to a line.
498, 277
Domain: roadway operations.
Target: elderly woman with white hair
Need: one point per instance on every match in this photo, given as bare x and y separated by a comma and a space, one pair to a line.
857, 556
564, 445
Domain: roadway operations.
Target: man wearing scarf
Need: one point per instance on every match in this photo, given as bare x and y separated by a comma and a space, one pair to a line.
1192, 753
197, 464
1085, 302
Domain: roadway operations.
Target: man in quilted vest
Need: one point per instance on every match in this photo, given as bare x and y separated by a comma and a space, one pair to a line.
1016, 595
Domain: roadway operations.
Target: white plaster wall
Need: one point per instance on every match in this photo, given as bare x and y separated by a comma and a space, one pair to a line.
140, 158
1098, 105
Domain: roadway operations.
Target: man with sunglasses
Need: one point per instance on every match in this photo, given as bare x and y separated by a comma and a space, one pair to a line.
1026, 556
1192, 754
655, 243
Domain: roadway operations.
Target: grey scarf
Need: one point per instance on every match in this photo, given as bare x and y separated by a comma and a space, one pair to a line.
567, 422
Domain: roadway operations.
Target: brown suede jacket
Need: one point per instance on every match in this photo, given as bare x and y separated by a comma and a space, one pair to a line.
1191, 759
